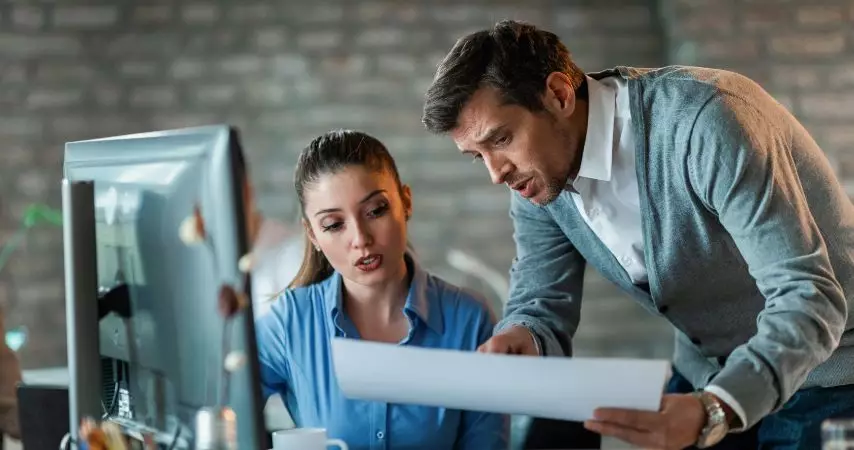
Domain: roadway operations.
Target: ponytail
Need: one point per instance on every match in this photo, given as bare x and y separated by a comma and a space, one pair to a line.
314, 268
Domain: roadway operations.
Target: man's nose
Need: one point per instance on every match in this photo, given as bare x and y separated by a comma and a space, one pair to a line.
498, 168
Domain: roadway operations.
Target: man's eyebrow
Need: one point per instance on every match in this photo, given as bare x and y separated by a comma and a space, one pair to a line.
490, 134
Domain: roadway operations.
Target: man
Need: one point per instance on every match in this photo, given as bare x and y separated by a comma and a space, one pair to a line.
697, 194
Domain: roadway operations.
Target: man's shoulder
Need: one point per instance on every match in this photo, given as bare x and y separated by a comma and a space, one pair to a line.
672, 98
674, 79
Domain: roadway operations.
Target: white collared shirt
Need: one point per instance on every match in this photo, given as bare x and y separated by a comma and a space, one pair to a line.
606, 188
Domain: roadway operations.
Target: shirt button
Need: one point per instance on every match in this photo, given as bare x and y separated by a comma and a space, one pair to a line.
626, 260
593, 212
380, 435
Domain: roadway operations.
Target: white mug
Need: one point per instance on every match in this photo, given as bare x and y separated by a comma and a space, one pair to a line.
304, 439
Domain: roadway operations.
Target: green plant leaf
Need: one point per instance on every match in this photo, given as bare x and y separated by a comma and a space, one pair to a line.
34, 214
38, 213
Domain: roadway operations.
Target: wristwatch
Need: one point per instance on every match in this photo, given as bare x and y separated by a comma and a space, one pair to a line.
716, 427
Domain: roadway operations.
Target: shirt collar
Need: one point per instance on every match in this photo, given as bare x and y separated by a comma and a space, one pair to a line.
418, 306
599, 143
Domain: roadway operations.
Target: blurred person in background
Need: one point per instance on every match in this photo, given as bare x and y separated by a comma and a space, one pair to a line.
358, 280
694, 191
276, 246
276, 257
10, 376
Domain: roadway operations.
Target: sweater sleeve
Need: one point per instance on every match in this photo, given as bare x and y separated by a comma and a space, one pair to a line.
546, 280
740, 165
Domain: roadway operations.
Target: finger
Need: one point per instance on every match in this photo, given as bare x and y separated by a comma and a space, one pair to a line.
632, 418
626, 434
520, 348
494, 345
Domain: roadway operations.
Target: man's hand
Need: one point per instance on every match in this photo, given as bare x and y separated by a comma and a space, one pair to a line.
676, 426
516, 340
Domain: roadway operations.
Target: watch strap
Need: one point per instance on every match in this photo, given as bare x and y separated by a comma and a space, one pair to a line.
716, 426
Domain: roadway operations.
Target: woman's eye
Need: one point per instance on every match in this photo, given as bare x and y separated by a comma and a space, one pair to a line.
379, 211
332, 226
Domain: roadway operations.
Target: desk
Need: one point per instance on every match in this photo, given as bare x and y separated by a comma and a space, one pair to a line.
276, 416
54, 376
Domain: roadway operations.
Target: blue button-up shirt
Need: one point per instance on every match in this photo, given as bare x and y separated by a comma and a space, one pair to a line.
296, 361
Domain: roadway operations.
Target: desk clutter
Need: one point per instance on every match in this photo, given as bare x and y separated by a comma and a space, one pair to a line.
110, 436
43, 414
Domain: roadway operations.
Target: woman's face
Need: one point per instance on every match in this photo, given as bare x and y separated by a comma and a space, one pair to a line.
357, 217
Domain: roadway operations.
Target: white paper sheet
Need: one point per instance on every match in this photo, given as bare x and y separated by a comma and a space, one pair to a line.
557, 388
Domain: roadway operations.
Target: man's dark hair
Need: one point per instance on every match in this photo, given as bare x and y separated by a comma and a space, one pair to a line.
513, 57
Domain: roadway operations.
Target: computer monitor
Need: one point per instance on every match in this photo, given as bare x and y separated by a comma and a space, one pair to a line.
145, 336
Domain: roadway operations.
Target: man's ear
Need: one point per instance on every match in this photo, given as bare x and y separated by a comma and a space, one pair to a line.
406, 198
559, 96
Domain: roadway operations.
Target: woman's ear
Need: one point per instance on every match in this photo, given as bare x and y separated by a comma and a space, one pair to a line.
406, 198
310, 233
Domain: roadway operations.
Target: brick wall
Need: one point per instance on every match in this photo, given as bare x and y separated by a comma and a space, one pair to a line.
287, 71
801, 52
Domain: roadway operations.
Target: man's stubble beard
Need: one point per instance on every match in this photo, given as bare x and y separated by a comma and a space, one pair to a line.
555, 185
552, 191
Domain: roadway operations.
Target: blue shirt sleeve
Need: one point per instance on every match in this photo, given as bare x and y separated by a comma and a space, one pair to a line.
482, 430
272, 334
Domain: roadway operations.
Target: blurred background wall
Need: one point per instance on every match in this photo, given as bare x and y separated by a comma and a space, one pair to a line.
286, 71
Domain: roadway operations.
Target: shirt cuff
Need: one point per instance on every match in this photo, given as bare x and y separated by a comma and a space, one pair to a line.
536, 340
731, 402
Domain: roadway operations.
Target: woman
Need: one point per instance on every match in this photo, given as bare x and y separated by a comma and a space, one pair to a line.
358, 281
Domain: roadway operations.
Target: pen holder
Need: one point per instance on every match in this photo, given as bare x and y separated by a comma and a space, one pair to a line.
216, 429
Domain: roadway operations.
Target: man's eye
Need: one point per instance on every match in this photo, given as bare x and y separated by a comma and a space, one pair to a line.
502, 141
476, 158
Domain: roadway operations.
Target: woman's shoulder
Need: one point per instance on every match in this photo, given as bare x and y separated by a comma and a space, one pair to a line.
450, 294
297, 300
294, 312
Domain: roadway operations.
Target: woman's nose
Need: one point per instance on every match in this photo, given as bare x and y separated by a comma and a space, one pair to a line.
362, 237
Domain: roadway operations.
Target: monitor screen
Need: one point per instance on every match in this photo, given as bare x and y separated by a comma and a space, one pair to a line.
159, 331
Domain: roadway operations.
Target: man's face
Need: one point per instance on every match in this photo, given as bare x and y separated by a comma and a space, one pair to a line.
531, 152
